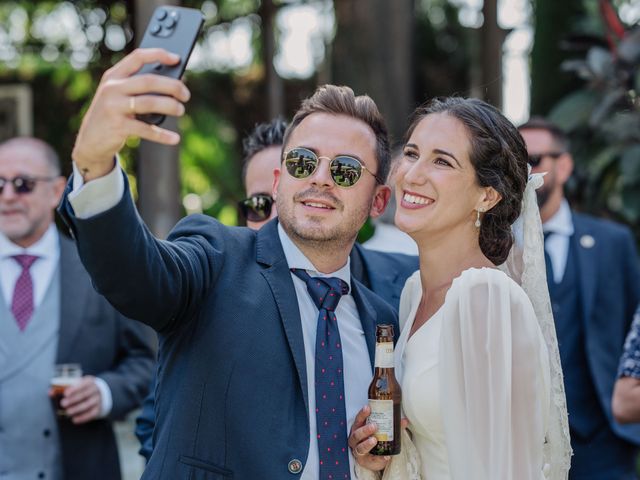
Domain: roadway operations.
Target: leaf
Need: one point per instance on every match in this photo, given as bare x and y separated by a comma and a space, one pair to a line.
631, 203
629, 47
600, 162
630, 165
603, 109
580, 67
600, 62
575, 109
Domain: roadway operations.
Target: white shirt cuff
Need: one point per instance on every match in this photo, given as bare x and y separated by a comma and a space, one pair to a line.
106, 400
98, 195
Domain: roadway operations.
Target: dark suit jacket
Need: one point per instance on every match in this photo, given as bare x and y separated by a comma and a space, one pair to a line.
231, 398
383, 273
610, 293
109, 346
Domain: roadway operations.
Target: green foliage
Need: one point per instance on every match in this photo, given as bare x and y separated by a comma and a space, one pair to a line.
209, 162
553, 21
603, 122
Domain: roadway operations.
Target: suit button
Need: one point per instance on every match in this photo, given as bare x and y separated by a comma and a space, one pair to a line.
295, 466
46, 432
41, 475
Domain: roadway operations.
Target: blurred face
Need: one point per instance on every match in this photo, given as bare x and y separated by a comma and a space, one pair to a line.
259, 178
315, 209
24, 217
436, 186
558, 164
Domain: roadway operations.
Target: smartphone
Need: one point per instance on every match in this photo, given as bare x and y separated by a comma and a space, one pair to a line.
174, 29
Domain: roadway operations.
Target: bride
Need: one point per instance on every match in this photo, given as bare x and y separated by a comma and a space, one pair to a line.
477, 356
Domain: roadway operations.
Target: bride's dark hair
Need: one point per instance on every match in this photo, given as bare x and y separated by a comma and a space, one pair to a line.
499, 157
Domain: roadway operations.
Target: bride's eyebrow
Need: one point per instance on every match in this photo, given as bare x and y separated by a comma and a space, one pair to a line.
412, 145
448, 154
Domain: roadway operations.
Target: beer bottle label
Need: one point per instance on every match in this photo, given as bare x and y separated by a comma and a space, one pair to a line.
384, 355
382, 415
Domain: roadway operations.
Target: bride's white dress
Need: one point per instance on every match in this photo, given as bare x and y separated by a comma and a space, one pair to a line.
476, 383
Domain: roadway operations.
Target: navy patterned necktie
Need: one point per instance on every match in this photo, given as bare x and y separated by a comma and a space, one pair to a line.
331, 415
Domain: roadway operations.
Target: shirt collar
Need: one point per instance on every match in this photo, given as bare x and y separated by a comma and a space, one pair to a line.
561, 222
46, 247
296, 259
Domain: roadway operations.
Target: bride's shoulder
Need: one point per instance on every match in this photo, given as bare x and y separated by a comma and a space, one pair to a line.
489, 283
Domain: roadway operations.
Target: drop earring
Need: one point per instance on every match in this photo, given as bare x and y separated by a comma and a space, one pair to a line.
478, 223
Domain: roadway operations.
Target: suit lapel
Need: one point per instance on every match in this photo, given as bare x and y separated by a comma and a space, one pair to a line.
587, 261
368, 317
269, 252
73, 298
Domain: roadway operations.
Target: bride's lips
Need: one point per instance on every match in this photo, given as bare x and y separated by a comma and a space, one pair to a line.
414, 201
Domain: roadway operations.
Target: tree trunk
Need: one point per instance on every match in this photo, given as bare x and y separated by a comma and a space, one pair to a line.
553, 20
158, 168
373, 54
275, 85
492, 40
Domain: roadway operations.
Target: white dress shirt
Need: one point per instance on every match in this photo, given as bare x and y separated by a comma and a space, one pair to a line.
356, 363
47, 249
355, 354
560, 228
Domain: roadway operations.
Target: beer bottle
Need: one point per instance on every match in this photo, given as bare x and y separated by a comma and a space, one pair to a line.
385, 396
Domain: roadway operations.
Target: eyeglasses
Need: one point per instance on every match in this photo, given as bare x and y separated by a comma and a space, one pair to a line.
23, 185
256, 208
535, 158
345, 170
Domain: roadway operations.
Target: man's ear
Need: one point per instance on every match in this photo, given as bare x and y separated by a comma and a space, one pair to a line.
58, 184
563, 167
380, 201
489, 199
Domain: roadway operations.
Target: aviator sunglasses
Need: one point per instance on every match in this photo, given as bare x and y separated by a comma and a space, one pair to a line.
23, 185
345, 170
535, 158
256, 208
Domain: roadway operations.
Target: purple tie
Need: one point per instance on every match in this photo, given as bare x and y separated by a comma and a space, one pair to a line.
22, 303
331, 416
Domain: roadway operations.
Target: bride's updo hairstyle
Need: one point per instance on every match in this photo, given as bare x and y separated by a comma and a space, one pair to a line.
499, 157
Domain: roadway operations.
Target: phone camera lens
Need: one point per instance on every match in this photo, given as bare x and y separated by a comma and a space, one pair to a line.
170, 22
155, 28
161, 14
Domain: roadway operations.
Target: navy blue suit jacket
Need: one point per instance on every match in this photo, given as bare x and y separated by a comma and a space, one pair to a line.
231, 397
610, 292
383, 273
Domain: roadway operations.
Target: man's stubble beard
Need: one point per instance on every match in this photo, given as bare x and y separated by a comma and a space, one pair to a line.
334, 239
544, 192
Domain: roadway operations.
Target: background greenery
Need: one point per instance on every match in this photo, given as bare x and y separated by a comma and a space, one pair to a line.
584, 74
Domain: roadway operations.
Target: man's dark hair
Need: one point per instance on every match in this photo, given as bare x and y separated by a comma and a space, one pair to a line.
540, 123
263, 135
341, 100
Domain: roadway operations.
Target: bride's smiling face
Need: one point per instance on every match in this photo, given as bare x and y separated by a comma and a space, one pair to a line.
436, 185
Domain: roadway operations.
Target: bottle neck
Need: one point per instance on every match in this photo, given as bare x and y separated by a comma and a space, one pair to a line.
384, 355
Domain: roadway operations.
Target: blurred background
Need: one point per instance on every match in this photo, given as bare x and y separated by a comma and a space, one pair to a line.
576, 61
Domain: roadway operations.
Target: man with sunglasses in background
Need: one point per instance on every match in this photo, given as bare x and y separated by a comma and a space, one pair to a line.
594, 283
384, 273
266, 340
50, 314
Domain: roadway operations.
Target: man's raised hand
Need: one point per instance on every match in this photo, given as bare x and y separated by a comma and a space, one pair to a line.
111, 117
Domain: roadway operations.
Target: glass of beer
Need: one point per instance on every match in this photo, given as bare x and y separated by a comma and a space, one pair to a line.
65, 375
